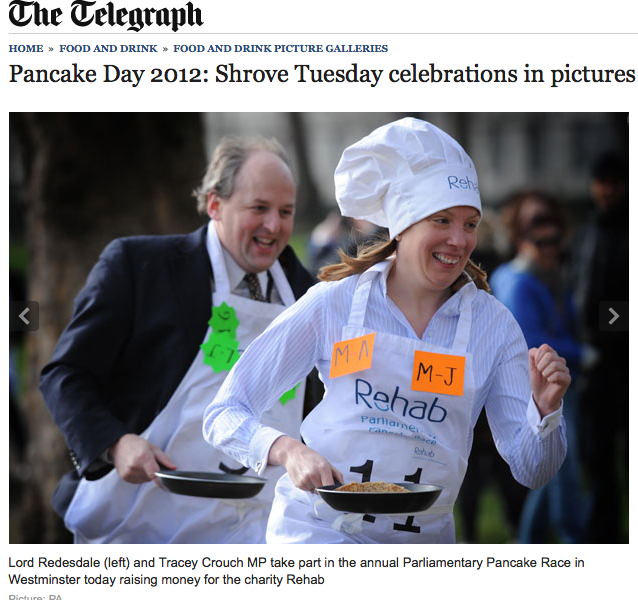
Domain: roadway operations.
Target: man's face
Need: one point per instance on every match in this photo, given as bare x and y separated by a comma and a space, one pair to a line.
254, 224
607, 192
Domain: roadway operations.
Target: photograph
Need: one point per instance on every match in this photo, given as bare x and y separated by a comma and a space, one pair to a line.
211, 313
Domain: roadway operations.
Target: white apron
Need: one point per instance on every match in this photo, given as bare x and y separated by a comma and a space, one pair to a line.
373, 427
111, 510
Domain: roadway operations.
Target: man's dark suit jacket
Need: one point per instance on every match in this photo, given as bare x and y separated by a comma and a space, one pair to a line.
136, 328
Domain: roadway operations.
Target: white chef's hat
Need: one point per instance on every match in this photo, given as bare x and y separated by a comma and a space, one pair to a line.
403, 172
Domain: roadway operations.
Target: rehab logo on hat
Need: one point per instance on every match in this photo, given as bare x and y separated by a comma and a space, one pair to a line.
463, 183
404, 172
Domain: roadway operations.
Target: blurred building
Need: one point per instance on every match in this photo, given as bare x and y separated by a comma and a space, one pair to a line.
553, 151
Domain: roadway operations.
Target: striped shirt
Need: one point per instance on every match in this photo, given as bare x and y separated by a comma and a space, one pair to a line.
303, 337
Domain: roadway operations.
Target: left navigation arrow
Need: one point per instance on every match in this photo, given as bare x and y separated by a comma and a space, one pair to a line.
24, 315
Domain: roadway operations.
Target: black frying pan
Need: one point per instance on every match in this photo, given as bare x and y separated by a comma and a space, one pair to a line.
210, 485
419, 498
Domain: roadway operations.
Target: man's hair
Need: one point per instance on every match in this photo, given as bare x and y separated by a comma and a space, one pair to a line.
609, 167
229, 156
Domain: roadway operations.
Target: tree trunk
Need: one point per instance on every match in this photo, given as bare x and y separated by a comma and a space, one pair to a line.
309, 207
87, 179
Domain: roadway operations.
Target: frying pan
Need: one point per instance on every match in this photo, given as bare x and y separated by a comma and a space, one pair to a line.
420, 497
210, 485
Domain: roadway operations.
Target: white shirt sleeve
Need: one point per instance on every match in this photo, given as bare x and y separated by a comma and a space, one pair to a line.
543, 426
273, 363
533, 447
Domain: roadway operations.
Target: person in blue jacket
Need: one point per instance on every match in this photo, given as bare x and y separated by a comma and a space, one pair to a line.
533, 287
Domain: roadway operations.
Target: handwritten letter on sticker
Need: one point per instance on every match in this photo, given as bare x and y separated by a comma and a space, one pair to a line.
224, 320
352, 355
438, 373
220, 352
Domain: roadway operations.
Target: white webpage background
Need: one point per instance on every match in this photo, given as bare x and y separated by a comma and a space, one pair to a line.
495, 35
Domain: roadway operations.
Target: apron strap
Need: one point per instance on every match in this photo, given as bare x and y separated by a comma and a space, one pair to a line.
214, 247
362, 293
352, 523
359, 303
464, 325
278, 277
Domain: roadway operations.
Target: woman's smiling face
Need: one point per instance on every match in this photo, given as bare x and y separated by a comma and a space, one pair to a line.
435, 250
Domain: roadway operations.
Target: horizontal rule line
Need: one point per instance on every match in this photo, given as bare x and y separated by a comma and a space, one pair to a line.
325, 33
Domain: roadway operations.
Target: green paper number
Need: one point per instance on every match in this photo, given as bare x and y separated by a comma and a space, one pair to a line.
224, 320
221, 349
220, 352
289, 395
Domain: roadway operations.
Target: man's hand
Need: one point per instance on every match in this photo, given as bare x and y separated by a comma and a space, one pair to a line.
137, 460
549, 378
307, 469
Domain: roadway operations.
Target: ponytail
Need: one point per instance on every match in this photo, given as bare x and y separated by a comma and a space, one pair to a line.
476, 274
369, 255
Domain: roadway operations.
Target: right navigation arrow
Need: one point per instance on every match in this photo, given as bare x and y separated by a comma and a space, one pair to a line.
619, 311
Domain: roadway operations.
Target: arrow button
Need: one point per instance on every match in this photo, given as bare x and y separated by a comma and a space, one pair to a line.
24, 315
613, 315
26, 310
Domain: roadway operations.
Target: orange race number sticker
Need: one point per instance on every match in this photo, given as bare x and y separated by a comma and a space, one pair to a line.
351, 356
438, 373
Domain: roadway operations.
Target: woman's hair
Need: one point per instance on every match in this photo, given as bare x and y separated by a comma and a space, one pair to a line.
517, 213
541, 221
371, 254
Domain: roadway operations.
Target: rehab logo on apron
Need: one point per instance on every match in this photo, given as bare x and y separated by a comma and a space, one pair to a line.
405, 416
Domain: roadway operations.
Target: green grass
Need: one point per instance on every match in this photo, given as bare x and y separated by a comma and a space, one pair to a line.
491, 527
18, 257
299, 242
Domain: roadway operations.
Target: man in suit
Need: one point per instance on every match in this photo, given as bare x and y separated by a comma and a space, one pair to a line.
135, 367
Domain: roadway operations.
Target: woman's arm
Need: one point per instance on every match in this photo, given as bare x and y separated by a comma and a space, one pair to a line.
272, 364
530, 437
549, 378
307, 469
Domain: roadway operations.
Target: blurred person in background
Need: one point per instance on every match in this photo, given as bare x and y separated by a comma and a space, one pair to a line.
132, 372
601, 275
336, 233
520, 209
534, 287
486, 470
